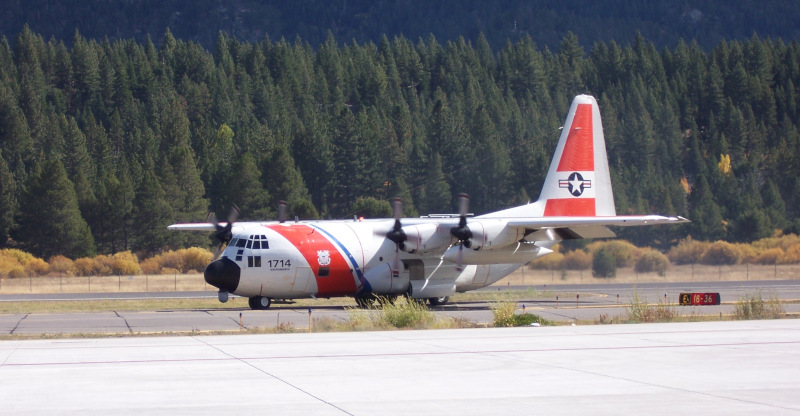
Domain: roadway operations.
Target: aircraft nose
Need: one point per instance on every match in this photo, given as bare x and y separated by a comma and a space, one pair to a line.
223, 274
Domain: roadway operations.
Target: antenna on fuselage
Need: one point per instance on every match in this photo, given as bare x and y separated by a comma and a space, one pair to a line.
282, 211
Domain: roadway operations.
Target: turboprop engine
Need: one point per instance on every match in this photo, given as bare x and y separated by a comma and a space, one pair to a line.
492, 234
423, 238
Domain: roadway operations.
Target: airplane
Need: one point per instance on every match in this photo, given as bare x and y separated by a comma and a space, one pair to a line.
427, 258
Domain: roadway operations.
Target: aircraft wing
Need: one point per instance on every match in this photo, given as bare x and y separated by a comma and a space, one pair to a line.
198, 226
621, 220
568, 228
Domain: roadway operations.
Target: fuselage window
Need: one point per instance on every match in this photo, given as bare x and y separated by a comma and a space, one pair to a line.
253, 261
324, 272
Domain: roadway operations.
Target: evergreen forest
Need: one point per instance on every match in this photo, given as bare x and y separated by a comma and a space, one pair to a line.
105, 143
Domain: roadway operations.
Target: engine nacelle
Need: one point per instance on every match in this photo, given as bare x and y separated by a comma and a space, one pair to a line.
425, 237
519, 253
492, 233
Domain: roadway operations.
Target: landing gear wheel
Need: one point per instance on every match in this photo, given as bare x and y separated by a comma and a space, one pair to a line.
259, 302
438, 301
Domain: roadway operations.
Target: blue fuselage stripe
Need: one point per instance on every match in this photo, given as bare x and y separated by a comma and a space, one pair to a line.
353, 262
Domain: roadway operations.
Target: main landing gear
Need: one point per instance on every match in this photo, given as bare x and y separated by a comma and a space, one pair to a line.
368, 301
438, 301
259, 302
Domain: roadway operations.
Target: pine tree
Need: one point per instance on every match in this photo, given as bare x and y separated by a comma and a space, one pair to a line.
51, 222
8, 201
243, 188
151, 216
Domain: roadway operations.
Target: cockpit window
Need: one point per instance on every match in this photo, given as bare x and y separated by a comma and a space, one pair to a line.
233, 242
255, 242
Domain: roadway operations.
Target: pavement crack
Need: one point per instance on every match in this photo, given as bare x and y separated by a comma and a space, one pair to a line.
124, 320
19, 322
288, 383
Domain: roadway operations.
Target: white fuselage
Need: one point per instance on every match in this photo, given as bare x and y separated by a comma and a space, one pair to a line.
350, 258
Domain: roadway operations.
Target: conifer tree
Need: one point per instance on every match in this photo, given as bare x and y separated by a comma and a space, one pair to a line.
51, 222
8, 201
151, 215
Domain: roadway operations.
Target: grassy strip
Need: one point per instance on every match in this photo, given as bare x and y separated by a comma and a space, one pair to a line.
235, 302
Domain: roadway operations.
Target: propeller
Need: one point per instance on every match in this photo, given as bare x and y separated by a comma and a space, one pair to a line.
223, 235
462, 233
282, 211
397, 235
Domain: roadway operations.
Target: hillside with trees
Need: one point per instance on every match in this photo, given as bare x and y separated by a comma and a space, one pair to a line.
103, 144
546, 21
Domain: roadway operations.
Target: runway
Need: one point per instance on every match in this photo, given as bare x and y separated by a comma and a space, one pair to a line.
710, 368
560, 303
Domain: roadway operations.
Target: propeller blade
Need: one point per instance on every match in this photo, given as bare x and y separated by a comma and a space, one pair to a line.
282, 211
460, 264
462, 233
396, 262
397, 204
223, 235
234, 214
397, 235
463, 205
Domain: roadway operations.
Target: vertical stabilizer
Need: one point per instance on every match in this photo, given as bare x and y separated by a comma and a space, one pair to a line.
578, 182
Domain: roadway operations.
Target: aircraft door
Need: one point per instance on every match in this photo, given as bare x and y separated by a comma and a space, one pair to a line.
302, 279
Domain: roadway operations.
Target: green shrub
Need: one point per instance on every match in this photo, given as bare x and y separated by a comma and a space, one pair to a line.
604, 264
652, 261
503, 313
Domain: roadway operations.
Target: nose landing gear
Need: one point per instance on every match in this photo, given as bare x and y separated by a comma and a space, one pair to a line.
259, 302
